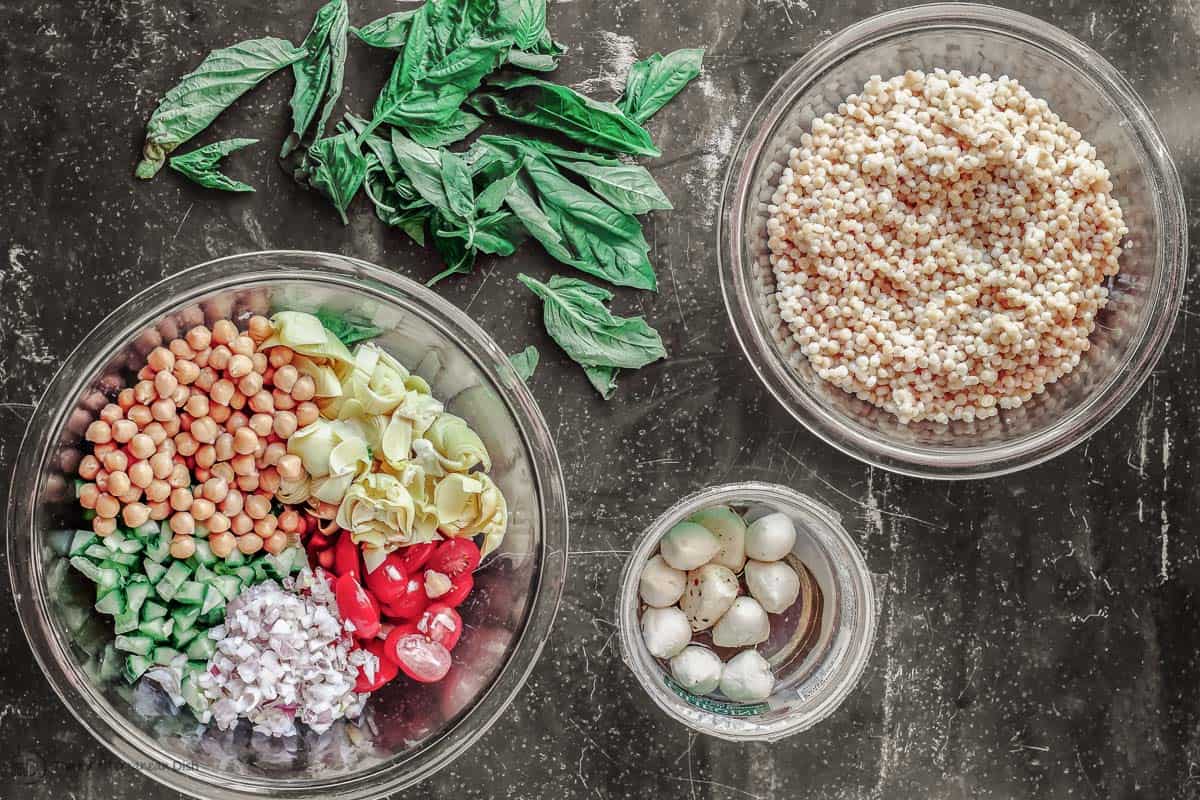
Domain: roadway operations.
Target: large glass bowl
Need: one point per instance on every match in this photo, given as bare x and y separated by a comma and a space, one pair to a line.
409, 731
1091, 96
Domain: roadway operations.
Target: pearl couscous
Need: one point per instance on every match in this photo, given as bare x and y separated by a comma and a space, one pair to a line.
941, 243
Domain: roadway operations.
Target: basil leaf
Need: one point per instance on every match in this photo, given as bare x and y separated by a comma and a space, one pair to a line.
202, 94
535, 62
336, 168
349, 331
525, 362
577, 319
423, 167
200, 165
460, 125
492, 196
459, 258
498, 234
313, 74
543, 104
456, 182
525, 20
520, 199
337, 71
389, 32
603, 380
652, 83
628, 187
379, 146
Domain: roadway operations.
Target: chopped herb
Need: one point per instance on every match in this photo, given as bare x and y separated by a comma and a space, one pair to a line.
346, 328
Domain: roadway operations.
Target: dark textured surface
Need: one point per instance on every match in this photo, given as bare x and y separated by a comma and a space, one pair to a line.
1038, 634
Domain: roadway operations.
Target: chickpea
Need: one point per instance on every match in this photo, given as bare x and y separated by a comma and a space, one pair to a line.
290, 467
224, 447
250, 384
158, 491
205, 431
268, 480
134, 495
257, 506
284, 424
216, 489
116, 461
160, 359
99, 432
203, 509
222, 392
159, 511
157, 432
242, 346
89, 465
183, 523
236, 420
250, 543
219, 358
248, 483
125, 398
224, 470
261, 424
276, 543
161, 465
180, 477
103, 526
220, 414
307, 413
206, 379
135, 514
232, 504
243, 464
180, 499
118, 483
199, 337
186, 372
282, 400
162, 410
180, 396
244, 441
179, 348
224, 331
146, 373
222, 543
140, 474
141, 446
89, 493
197, 405
107, 506
242, 524
201, 474
261, 363
286, 377
262, 402
266, 526
111, 413
186, 444
217, 523
183, 546
139, 415
202, 357
165, 384
259, 328
144, 392
238, 401
280, 356
101, 450
271, 455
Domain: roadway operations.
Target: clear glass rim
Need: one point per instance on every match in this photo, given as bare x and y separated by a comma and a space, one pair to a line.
68, 384
968, 462
854, 657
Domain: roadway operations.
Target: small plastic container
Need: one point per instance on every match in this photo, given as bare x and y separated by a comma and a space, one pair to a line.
811, 685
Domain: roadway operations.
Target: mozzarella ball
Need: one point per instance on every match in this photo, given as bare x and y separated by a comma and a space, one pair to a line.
730, 529
770, 538
665, 631
697, 669
747, 678
710, 592
688, 545
774, 584
661, 584
743, 625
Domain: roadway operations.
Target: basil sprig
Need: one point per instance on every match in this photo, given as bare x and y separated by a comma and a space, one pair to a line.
319, 76
652, 83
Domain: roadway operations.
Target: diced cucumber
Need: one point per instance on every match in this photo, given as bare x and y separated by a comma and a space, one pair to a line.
91, 668
81, 541
177, 573
190, 593
214, 617
203, 574
157, 629
166, 590
136, 666
141, 645
123, 559
182, 637
201, 532
57, 579
97, 552
113, 540
158, 548
122, 570
88, 514
204, 554
245, 575
153, 570
94, 634
213, 599
191, 693
136, 592
260, 571
130, 545
75, 616
228, 585
111, 664
186, 617
112, 603
201, 648
59, 542
152, 610
163, 656
236, 558
146, 530
126, 622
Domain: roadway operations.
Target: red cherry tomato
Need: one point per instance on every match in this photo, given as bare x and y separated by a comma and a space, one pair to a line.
419, 658
318, 541
460, 587
388, 580
325, 559
442, 624
384, 672
355, 605
455, 557
413, 557
346, 558
409, 604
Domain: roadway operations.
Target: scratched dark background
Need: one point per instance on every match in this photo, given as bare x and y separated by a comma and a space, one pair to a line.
1038, 634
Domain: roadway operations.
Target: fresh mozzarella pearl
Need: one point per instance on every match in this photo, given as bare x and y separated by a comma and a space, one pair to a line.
774, 584
697, 669
729, 528
665, 631
743, 625
661, 584
747, 678
688, 545
710, 592
771, 537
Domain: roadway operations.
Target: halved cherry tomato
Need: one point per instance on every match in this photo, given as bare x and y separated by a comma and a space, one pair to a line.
460, 587
318, 541
419, 658
409, 604
355, 605
441, 624
398, 630
388, 580
413, 557
346, 558
455, 557
386, 670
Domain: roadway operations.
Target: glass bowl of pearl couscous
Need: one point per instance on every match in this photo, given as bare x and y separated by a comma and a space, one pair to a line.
953, 241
